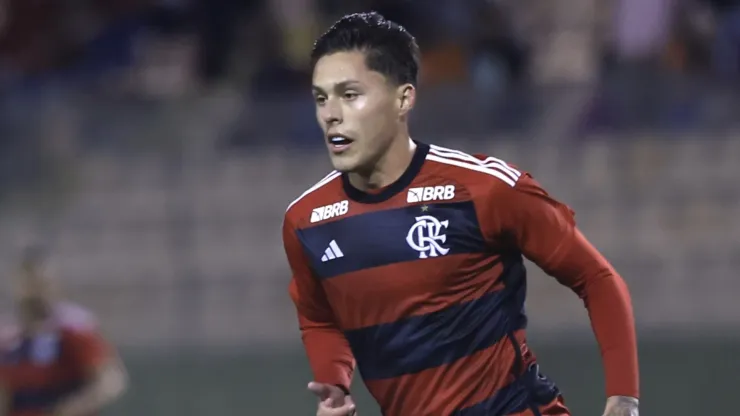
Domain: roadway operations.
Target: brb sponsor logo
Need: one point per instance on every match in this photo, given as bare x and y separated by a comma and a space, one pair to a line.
431, 193
329, 211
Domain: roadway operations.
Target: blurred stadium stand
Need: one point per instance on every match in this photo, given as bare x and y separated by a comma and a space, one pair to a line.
160, 184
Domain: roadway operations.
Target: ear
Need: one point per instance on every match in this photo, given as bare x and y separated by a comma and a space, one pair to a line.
406, 98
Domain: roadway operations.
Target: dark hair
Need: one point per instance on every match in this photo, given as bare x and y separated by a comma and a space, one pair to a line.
388, 47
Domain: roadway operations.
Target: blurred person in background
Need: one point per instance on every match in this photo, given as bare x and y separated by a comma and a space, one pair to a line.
688, 48
54, 361
218, 30
498, 58
32, 39
726, 45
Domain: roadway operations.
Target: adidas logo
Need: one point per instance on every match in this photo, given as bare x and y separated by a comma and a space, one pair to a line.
332, 252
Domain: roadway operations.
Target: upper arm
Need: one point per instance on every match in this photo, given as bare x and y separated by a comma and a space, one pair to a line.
89, 350
305, 289
544, 231
532, 221
328, 351
97, 361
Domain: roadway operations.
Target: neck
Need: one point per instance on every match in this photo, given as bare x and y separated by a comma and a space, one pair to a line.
34, 329
389, 168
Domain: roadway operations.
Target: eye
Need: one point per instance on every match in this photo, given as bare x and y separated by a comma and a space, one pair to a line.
319, 99
350, 95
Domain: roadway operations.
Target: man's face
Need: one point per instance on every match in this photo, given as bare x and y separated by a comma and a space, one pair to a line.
34, 299
357, 109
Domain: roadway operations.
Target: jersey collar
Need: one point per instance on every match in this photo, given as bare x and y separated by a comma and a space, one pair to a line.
398, 186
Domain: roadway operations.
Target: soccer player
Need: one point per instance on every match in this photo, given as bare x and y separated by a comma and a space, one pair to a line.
54, 362
407, 260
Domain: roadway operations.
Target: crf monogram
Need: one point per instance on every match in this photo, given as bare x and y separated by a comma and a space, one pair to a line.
424, 236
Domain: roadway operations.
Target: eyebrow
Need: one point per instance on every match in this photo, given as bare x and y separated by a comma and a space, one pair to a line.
338, 86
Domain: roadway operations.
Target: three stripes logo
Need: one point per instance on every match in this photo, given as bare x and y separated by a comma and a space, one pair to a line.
490, 165
332, 252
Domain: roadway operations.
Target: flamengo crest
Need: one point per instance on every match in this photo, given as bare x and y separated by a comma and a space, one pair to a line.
426, 236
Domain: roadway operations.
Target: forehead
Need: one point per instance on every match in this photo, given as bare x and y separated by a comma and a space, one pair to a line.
344, 67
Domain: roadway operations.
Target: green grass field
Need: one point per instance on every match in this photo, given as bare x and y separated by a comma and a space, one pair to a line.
692, 378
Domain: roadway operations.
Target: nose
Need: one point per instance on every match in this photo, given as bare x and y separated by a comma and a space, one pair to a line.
331, 113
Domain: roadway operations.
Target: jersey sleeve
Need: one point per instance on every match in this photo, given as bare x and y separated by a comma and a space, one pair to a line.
327, 349
88, 349
527, 219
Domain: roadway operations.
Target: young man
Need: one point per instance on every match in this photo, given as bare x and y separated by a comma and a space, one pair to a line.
54, 362
407, 260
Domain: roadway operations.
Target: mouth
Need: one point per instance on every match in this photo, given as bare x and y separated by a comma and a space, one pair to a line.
338, 143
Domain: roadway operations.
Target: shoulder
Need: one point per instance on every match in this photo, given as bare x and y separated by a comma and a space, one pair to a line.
75, 318
481, 171
313, 202
491, 181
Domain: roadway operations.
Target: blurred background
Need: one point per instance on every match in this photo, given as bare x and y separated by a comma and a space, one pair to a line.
154, 144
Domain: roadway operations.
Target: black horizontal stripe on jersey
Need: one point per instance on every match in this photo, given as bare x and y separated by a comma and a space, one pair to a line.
381, 238
418, 343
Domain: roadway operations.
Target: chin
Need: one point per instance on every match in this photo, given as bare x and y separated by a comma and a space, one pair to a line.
345, 164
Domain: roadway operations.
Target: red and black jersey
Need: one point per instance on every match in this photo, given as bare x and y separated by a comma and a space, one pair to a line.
422, 285
38, 372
